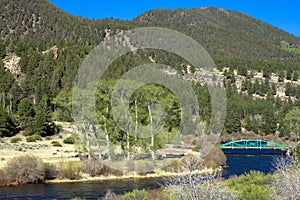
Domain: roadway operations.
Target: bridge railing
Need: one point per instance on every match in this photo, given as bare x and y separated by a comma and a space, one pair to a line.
258, 144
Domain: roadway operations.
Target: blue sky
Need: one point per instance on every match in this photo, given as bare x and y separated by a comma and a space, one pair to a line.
280, 13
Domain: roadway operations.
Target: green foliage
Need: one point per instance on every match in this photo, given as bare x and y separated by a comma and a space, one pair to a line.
253, 185
56, 144
2, 49
50, 61
70, 169
15, 140
292, 122
26, 113
70, 140
297, 153
33, 138
135, 195
62, 102
281, 76
48, 137
7, 125
295, 76
289, 75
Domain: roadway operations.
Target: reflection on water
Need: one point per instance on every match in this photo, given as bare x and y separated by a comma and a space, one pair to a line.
88, 190
236, 165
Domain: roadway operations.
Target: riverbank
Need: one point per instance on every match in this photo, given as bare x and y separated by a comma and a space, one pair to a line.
161, 174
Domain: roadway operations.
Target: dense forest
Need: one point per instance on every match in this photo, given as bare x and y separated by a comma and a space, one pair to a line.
42, 48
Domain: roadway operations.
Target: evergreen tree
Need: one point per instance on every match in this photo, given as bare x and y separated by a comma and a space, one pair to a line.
288, 89
281, 76
2, 49
7, 125
292, 121
295, 76
289, 75
25, 113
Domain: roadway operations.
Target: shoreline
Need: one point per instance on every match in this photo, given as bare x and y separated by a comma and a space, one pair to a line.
132, 176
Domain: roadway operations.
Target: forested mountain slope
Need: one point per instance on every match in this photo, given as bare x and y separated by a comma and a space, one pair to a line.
42, 47
230, 36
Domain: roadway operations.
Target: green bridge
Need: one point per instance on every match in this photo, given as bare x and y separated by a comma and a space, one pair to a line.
253, 144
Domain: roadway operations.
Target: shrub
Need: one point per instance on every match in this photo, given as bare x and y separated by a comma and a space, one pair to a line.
56, 144
71, 170
48, 137
69, 140
253, 185
192, 162
92, 167
135, 195
26, 169
176, 166
51, 172
15, 140
202, 187
216, 155
33, 138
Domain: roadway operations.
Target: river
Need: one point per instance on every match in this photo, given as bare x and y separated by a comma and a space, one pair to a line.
237, 164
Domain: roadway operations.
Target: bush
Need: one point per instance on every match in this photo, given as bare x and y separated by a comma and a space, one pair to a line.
26, 169
69, 140
15, 140
135, 195
33, 138
176, 166
253, 185
92, 167
216, 155
71, 170
56, 144
51, 172
48, 137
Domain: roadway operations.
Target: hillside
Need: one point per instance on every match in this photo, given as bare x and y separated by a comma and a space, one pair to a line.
40, 21
227, 35
42, 47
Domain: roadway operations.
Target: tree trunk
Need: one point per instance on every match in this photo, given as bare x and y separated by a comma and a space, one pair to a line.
127, 136
86, 128
10, 103
107, 135
136, 121
152, 132
97, 142
3, 100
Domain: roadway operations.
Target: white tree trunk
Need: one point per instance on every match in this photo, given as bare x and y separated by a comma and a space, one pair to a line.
107, 135
136, 121
127, 136
97, 142
10, 103
152, 132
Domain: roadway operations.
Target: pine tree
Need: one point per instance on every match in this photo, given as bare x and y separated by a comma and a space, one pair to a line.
281, 76
7, 126
295, 76
25, 113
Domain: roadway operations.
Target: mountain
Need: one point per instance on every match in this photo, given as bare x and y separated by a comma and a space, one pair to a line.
42, 48
41, 21
226, 34
47, 45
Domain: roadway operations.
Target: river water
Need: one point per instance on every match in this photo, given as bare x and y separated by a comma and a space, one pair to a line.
237, 164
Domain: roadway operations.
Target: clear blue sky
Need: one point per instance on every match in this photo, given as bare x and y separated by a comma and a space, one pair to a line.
284, 14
